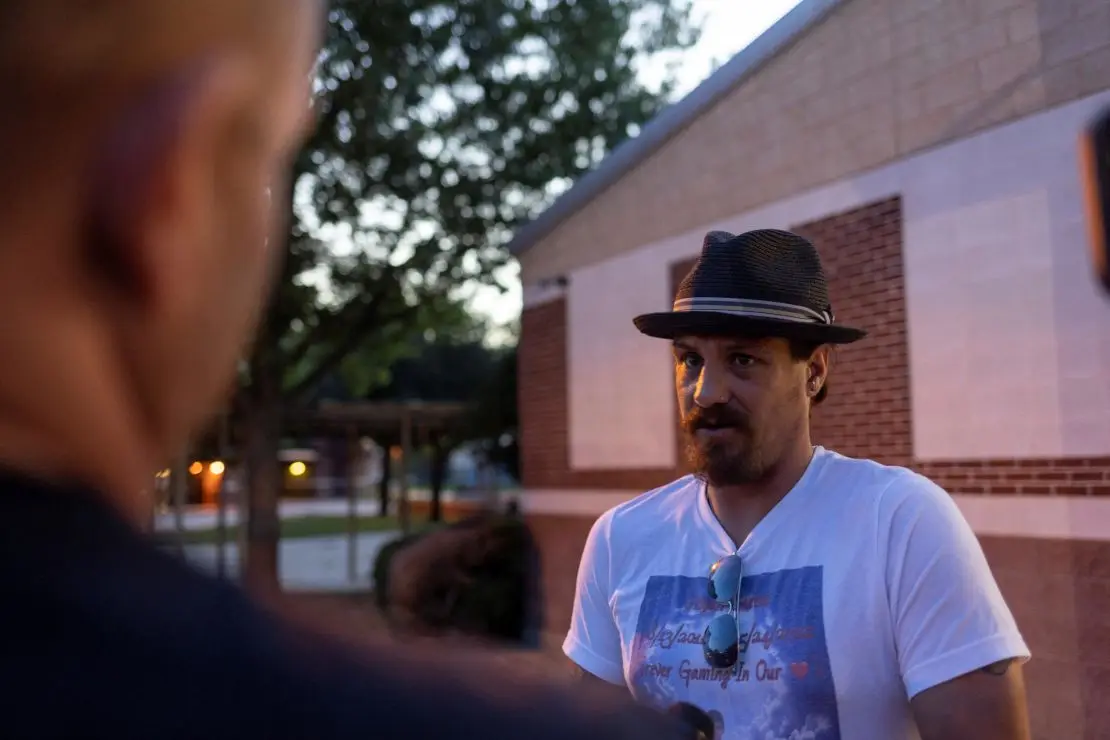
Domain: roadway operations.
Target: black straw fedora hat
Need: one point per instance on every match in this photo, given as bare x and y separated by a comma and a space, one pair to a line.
759, 283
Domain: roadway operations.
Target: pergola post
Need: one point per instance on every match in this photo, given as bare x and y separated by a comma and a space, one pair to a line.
423, 443
352, 504
403, 474
414, 420
178, 488
221, 499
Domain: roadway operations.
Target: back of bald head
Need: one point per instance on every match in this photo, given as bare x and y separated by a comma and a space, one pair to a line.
65, 65
86, 47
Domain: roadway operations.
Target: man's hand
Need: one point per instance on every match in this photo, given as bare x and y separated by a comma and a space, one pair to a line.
987, 704
584, 678
694, 724
699, 724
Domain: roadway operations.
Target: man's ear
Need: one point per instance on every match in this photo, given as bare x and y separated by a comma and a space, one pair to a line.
153, 197
817, 368
818, 365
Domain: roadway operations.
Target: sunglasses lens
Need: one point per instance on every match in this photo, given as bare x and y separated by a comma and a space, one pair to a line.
721, 642
724, 579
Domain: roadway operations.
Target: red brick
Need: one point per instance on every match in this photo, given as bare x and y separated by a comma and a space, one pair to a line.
542, 403
867, 411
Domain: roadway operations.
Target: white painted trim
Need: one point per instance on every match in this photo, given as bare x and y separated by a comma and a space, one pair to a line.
1043, 517
573, 502
1039, 517
543, 292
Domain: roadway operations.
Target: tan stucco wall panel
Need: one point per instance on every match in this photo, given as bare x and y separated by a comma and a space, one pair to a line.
876, 80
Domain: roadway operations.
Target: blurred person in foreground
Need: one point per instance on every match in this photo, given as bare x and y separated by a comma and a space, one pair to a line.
783, 588
137, 142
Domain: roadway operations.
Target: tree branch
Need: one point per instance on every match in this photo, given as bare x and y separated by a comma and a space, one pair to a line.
369, 315
354, 311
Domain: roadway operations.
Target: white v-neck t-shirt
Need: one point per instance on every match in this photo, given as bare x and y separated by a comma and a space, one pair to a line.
867, 585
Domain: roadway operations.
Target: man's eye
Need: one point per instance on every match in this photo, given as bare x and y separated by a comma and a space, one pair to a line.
742, 360
690, 360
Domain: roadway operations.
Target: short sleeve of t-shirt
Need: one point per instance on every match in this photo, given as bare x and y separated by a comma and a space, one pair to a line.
593, 641
948, 614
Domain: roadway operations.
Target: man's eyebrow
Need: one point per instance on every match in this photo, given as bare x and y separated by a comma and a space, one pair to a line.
679, 345
746, 345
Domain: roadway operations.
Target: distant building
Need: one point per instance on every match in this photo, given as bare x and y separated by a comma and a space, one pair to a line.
929, 149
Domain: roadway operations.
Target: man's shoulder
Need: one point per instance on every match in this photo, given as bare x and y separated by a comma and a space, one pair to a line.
677, 494
862, 474
103, 623
639, 515
126, 631
895, 492
247, 669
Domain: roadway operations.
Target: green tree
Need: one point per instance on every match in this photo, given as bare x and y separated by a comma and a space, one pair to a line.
442, 126
467, 371
494, 426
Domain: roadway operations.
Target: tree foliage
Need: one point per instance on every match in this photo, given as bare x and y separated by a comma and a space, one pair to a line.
468, 372
442, 125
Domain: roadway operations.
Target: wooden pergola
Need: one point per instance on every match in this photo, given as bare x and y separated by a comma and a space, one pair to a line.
404, 422
407, 422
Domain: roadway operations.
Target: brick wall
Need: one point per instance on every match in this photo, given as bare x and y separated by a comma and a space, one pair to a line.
869, 380
542, 394
1059, 591
542, 402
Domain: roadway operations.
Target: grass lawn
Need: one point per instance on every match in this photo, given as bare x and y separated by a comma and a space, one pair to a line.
307, 526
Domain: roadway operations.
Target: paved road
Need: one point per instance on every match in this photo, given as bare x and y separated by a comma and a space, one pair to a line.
309, 563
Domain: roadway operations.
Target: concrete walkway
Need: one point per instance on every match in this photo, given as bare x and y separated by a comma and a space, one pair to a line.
196, 517
309, 563
204, 517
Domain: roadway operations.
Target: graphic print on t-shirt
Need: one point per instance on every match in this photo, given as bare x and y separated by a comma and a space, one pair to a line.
785, 687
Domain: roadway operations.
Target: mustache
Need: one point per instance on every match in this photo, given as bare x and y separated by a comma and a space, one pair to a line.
714, 417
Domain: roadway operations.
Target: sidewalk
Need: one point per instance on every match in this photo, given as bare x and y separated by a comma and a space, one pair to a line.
307, 564
204, 517
196, 517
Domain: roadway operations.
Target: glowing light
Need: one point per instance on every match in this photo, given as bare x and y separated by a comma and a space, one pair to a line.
163, 474
196, 468
297, 469
216, 468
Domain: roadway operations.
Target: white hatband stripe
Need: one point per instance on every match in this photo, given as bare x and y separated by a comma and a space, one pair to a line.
754, 309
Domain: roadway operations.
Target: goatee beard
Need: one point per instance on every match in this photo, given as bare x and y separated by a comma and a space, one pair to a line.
720, 466
730, 461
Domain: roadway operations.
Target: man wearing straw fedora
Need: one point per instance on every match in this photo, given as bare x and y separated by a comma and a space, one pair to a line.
789, 590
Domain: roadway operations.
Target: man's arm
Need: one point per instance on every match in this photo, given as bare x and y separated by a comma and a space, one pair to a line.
986, 704
593, 642
959, 649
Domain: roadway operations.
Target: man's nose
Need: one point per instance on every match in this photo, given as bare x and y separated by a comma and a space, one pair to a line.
711, 388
